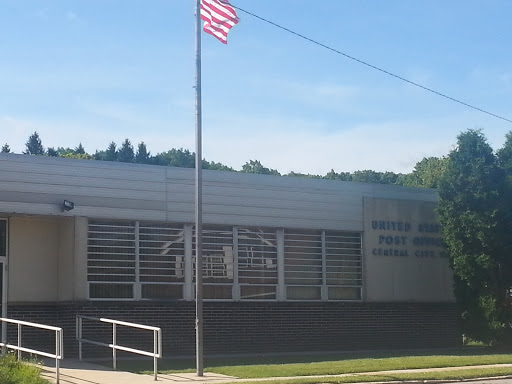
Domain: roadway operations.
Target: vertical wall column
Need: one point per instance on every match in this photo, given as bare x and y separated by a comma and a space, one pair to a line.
188, 287
324, 291
281, 290
236, 285
137, 294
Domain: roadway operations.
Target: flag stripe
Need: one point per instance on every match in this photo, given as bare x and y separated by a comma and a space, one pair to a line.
221, 6
216, 19
218, 24
219, 17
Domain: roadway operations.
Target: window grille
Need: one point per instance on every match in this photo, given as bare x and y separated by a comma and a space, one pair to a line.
303, 264
257, 263
111, 260
217, 262
161, 260
144, 260
343, 265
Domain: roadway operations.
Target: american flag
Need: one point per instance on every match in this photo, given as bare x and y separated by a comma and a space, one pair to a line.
219, 17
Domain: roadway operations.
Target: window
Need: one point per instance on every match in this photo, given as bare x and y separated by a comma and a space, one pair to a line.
257, 263
343, 265
111, 260
303, 264
156, 261
129, 260
161, 260
218, 260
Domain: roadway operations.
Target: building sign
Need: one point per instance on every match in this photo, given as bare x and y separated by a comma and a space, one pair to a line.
406, 238
404, 254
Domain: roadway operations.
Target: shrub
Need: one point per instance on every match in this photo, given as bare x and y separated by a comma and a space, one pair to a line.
13, 371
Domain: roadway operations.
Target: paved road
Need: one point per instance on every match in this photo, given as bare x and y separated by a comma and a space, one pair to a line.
493, 381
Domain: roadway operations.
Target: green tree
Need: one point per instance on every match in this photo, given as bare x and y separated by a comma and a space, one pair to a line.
110, 154
343, 176
82, 156
52, 152
505, 155
34, 146
6, 148
176, 158
126, 153
471, 210
255, 166
142, 156
427, 173
304, 175
369, 176
216, 166
79, 150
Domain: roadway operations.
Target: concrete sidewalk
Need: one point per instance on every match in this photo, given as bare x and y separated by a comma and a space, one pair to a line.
76, 372
79, 372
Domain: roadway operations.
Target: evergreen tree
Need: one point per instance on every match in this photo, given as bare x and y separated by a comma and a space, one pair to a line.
126, 153
111, 153
79, 150
6, 148
52, 152
142, 156
34, 146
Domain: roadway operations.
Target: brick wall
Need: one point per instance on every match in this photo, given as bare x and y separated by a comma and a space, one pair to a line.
235, 327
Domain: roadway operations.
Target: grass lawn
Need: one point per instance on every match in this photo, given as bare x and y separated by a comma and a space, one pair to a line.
332, 364
452, 375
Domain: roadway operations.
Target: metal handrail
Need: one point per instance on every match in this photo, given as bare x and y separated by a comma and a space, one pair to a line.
157, 339
59, 347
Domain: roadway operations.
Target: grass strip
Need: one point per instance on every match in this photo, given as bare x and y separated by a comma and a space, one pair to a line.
358, 365
463, 374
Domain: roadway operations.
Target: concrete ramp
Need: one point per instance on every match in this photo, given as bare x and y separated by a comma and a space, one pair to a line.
79, 372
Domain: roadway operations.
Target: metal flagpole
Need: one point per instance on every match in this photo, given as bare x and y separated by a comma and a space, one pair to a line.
199, 201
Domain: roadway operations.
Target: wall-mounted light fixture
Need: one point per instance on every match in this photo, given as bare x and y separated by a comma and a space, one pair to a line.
67, 205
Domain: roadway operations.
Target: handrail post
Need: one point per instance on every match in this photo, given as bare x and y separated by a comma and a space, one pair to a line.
59, 343
160, 343
19, 341
79, 330
114, 345
155, 346
57, 353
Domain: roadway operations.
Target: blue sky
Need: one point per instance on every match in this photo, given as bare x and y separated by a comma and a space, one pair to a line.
95, 71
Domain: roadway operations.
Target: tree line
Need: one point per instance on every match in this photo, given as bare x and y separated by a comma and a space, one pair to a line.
128, 153
475, 211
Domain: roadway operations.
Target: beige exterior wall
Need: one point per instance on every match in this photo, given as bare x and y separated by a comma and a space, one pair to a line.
80, 259
404, 258
41, 259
